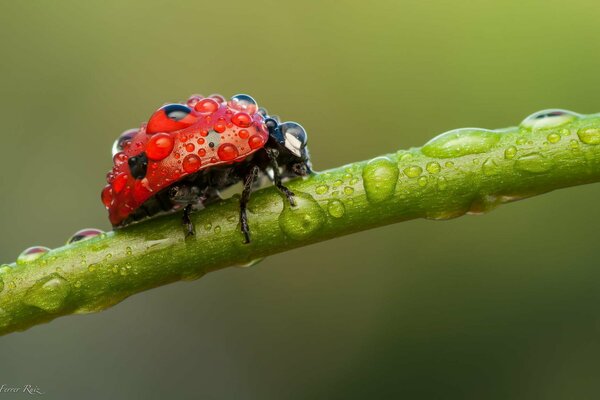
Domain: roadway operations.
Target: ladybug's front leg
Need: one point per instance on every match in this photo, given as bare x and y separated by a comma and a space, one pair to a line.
187, 221
248, 182
272, 153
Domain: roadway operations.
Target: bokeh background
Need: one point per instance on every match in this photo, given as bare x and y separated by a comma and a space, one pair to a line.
506, 305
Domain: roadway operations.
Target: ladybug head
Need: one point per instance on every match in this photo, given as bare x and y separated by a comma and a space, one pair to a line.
291, 142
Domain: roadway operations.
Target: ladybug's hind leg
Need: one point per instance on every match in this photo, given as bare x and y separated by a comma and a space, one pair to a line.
272, 153
248, 182
189, 196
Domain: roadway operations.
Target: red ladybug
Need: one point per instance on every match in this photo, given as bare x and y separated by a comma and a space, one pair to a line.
186, 153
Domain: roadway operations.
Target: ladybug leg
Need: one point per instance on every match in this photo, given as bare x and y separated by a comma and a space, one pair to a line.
248, 182
277, 177
187, 222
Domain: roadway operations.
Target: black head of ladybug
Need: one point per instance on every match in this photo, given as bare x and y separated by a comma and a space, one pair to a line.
169, 118
291, 139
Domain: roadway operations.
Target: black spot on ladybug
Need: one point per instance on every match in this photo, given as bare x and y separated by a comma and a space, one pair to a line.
211, 145
176, 112
138, 165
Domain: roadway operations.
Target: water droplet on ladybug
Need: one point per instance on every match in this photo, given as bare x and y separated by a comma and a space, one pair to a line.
169, 118
201, 152
244, 134
194, 99
242, 119
123, 141
190, 147
220, 99
255, 142
107, 196
191, 163
549, 119
119, 159
120, 182
227, 152
31, 254
84, 234
220, 126
243, 102
160, 146
207, 106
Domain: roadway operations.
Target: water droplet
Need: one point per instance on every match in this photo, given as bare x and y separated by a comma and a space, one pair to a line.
84, 234
217, 229
533, 162
449, 164
490, 167
553, 138
589, 135
574, 144
380, 177
336, 209
208, 227
321, 189
461, 142
348, 190
242, 119
422, 181
548, 119
159, 146
206, 106
128, 251
77, 284
49, 293
243, 102
353, 181
92, 267
123, 141
304, 220
251, 263
442, 183
31, 254
227, 152
338, 183
191, 163
433, 167
413, 171
510, 152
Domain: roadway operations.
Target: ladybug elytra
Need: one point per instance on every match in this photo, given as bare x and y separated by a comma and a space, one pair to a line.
186, 153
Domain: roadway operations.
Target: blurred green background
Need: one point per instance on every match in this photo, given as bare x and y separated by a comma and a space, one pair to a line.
501, 306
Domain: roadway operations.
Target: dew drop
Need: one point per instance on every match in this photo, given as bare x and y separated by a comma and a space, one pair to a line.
302, 221
217, 229
348, 190
433, 167
490, 167
49, 293
31, 254
353, 181
243, 102
589, 135
442, 183
422, 181
242, 119
461, 142
123, 141
159, 146
533, 162
227, 152
206, 106
336, 209
574, 144
191, 163
413, 171
510, 152
321, 189
548, 119
380, 176
84, 234
338, 183
553, 138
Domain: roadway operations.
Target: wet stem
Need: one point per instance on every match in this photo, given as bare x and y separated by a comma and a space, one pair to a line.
464, 170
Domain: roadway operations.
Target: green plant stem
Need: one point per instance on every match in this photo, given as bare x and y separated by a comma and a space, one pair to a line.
469, 171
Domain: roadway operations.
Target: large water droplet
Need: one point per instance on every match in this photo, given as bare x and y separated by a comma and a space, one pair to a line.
510, 152
461, 142
380, 177
243, 102
123, 141
304, 220
336, 208
548, 119
31, 254
433, 167
49, 293
533, 162
589, 135
490, 167
413, 171
84, 234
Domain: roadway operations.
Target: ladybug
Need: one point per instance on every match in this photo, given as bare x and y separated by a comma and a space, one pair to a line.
186, 153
